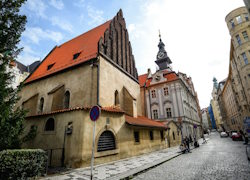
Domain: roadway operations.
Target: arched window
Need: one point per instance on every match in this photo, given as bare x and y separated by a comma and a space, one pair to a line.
50, 125
173, 136
106, 141
66, 99
116, 98
41, 105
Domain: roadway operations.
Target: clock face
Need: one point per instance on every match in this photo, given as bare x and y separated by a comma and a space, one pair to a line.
160, 54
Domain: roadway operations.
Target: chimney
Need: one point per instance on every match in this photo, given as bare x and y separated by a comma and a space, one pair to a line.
149, 73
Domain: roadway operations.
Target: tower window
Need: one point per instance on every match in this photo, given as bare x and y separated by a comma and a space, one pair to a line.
50, 66
168, 112
245, 36
238, 19
244, 56
165, 89
155, 113
151, 135
75, 56
238, 39
153, 94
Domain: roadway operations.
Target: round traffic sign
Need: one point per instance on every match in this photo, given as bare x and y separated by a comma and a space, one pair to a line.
95, 112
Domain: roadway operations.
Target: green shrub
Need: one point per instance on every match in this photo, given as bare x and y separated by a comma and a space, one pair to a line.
22, 163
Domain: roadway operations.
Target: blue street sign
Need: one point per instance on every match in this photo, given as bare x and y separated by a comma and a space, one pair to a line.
94, 113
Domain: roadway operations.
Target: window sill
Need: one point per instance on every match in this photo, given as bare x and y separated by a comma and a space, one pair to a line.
107, 153
49, 132
137, 143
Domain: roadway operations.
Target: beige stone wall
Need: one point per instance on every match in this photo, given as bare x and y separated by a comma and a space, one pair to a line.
173, 135
80, 82
78, 145
112, 79
53, 140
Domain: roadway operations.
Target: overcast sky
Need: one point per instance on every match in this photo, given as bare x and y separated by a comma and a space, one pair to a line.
194, 32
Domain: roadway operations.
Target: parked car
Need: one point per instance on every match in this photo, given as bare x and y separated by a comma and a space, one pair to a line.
223, 134
248, 151
236, 136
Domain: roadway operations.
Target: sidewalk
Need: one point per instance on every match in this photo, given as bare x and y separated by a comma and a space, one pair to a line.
123, 168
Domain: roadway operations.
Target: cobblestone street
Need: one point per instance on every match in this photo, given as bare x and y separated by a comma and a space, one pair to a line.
220, 158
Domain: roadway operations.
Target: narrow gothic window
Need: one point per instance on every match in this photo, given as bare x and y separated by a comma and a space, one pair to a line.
168, 112
116, 97
155, 113
50, 125
165, 89
162, 135
153, 94
106, 141
41, 105
66, 99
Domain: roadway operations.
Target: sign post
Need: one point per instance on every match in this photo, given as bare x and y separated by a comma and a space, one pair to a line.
94, 114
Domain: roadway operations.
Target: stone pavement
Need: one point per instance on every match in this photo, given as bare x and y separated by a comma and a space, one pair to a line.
123, 168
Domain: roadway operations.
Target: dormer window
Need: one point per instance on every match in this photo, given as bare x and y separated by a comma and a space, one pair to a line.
50, 66
75, 56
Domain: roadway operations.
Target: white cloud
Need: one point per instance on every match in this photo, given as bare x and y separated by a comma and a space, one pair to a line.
37, 6
62, 24
58, 4
95, 15
28, 55
36, 34
196, 40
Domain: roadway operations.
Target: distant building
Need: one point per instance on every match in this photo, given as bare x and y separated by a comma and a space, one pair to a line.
238, 24
169, 96
215, 106
20, 72
211, 114
205, 118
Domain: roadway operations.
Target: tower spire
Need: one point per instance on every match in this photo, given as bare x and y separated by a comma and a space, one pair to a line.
160, 34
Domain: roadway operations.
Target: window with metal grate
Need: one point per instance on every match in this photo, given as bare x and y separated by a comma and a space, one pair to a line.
106, 141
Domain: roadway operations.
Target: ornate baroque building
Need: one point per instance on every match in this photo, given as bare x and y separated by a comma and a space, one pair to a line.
168, 96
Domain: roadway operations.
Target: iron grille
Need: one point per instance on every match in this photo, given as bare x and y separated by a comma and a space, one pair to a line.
106, 141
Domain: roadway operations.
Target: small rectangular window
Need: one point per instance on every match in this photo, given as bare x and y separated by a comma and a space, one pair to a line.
165, 89
238, 19
153, 94
244, 56
151, 135
245, 36
232, 23
155, 113
162, 135
50, 66
136, 136
238, 39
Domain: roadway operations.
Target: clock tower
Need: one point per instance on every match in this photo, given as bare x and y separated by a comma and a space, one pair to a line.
162, 59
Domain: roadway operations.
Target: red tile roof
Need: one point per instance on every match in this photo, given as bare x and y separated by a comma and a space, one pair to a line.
62, 56
171, 76
112, 109
144, 122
